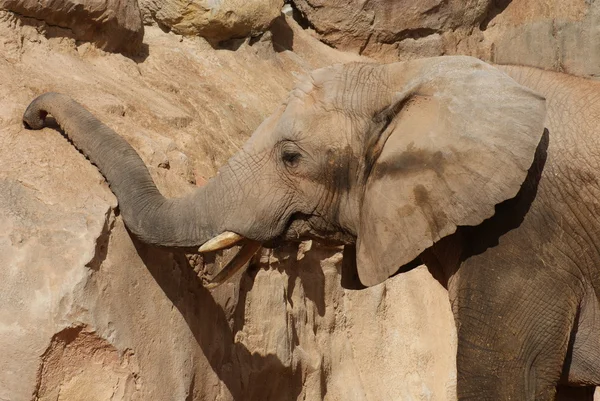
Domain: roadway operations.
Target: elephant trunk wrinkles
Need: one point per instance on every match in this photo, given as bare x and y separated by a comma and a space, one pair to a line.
154, 219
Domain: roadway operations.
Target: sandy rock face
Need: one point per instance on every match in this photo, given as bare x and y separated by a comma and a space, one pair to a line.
113, 25
90, 313
213, 19
367, 26
550, 34
557, 35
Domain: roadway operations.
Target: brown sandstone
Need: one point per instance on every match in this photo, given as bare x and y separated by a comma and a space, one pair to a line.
113, 25
215, 20
550, 34
376, 27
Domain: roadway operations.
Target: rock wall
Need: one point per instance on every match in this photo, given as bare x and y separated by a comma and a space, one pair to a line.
551, 34
88, 313
114, 25
386, 28
215, 20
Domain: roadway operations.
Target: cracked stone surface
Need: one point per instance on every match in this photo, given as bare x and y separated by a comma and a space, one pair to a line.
555, 35
215, 20
114, 25
376, 27
85, 306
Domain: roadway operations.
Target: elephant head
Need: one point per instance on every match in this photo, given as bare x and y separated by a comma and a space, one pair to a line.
391, 158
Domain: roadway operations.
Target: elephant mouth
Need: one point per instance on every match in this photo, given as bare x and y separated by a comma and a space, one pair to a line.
300, 227
247, 250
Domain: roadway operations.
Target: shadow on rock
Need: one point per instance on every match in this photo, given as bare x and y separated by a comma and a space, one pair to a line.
280, 36
102, 37
306, 270
247, 375
496, 8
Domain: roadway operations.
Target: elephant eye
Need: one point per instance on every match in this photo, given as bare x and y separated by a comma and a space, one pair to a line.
291, 158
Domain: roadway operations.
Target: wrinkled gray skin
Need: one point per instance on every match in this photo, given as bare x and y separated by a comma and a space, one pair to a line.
446, 161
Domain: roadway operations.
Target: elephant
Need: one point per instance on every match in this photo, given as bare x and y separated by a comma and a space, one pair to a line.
486, 174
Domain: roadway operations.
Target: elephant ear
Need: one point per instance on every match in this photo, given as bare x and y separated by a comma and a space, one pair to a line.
457, 140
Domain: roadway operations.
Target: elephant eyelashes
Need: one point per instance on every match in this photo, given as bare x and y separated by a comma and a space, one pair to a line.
291, 158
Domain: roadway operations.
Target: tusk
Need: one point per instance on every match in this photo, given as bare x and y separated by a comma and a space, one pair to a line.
238, 261
221, 241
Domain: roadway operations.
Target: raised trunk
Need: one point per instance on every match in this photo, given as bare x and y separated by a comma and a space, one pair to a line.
185, 222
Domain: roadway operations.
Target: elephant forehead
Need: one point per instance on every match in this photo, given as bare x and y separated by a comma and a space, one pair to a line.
353, 87
314, 125
295, 118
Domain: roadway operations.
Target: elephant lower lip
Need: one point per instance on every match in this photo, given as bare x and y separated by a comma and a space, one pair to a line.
328, 241
281, 241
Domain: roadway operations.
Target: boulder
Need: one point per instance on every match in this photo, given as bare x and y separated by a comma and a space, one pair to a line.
114, 25
215, 20
363, 26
